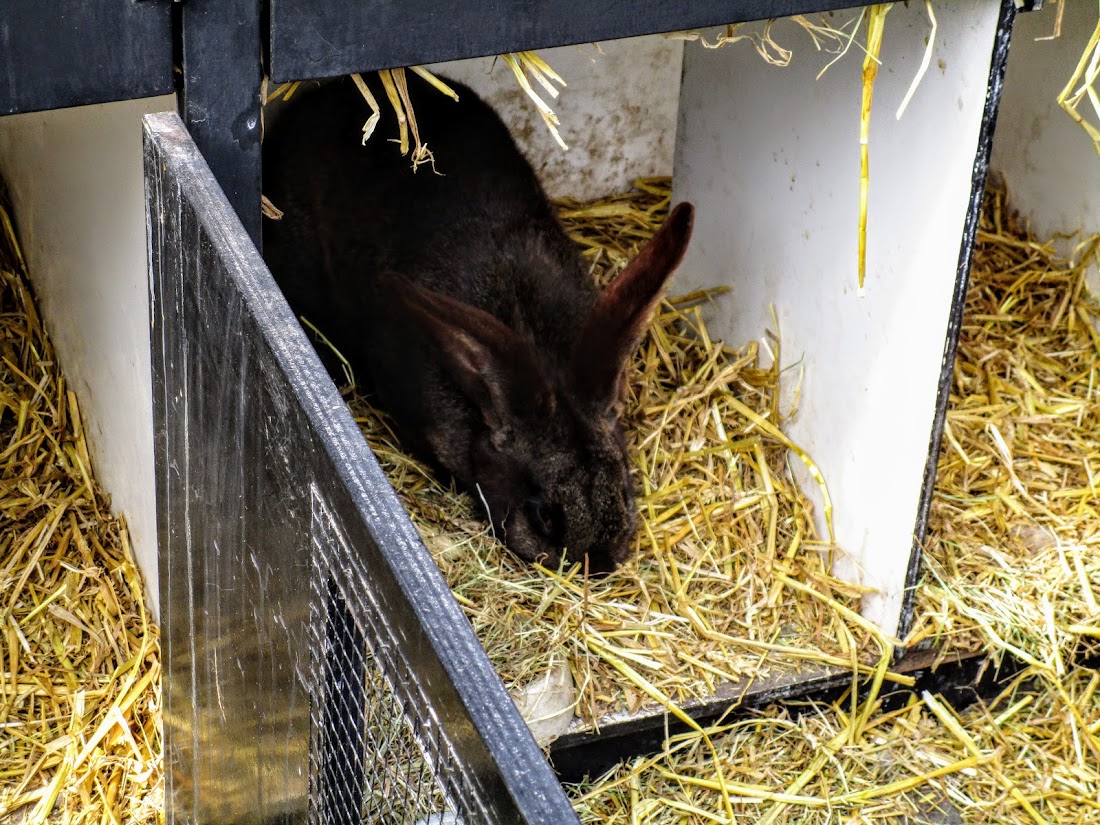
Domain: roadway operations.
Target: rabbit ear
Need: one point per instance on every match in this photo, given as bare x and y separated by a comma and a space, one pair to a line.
620, 315
493, 366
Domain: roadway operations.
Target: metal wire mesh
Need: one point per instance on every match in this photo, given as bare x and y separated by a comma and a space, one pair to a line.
377, 754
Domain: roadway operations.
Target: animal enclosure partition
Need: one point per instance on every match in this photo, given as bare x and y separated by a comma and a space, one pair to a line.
316, 666
366, 763
771, 159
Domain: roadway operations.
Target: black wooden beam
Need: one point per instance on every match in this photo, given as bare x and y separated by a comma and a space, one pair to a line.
960, 678
325, 38
997, 67
220, 102
58, 54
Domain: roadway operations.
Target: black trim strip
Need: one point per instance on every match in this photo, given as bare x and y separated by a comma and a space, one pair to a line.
958, 302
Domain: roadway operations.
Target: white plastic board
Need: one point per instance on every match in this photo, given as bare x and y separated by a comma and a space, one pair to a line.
77, 182
770, 157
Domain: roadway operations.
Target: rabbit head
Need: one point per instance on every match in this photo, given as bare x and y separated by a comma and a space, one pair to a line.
547, 454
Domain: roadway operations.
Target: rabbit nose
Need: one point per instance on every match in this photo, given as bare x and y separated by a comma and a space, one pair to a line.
609, 558
600, 564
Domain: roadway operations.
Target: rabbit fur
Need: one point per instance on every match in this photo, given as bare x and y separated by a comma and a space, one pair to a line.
466, 310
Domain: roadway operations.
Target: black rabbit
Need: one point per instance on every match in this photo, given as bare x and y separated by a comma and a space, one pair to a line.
459, 299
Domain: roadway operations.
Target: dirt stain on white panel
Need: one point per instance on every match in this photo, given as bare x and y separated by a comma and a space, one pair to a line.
618, 112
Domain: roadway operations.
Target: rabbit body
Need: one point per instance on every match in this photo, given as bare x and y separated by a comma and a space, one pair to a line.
465, 310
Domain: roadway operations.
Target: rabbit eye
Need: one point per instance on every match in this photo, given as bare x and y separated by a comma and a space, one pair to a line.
544, 516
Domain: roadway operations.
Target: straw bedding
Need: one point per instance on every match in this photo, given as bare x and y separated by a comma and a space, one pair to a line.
79, 660
1029, 756
1011, 567
1013, 561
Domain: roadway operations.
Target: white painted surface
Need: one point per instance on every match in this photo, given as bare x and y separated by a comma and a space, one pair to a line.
771, 158
618, 112
1052, 169
77, 185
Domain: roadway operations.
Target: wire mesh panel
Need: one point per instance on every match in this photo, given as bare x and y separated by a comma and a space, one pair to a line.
317, 667
377, 754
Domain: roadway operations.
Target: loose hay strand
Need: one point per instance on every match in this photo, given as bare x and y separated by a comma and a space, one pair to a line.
1086, 73
523, 64
926, 60
435, 81
376, 111
386, 76
876, 24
